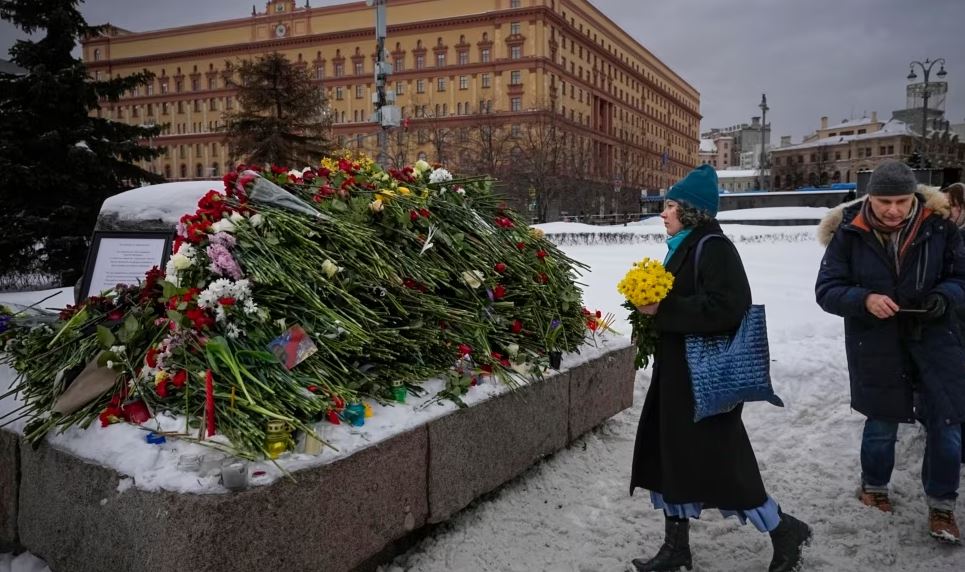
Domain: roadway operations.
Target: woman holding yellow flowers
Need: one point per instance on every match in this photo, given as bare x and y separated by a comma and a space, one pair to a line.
689, 466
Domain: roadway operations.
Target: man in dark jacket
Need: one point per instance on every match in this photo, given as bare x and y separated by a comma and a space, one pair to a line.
894, 269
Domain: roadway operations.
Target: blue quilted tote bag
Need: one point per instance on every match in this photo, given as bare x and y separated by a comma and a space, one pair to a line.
726, 371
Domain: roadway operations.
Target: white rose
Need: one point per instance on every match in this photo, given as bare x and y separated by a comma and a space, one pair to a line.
181, 262
512, 349
223, 225
256, 220
472, 278
421, 166
440, 176
236, 217
330, 268
376, 206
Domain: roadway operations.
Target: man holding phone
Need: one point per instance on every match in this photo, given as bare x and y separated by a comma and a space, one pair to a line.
893, 268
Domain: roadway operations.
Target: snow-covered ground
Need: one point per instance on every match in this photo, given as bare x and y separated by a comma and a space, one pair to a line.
572, 511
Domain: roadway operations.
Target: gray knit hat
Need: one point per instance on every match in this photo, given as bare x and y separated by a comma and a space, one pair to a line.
892, 178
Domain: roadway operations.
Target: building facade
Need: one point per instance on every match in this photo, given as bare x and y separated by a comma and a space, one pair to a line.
455, 65
739, 146
836, 153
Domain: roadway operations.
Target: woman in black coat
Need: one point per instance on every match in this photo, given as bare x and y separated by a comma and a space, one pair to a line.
688, 466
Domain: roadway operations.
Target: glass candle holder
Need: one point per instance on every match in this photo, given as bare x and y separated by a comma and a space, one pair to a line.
211, 464
234, 474
355, 414
398, 393
276, 438
189, 463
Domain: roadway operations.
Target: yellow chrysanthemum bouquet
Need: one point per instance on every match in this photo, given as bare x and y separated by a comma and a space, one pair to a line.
647, 282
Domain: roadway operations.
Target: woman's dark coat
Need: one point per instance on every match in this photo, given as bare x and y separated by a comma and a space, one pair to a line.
712, 461
890, 360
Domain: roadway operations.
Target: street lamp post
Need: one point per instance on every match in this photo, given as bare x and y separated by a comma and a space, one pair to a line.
926, 70
764, 109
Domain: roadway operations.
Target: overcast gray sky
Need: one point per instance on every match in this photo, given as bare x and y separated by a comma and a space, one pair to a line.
838, 58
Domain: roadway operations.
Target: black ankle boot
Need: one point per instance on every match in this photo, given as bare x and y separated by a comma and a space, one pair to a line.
675, 551
788, 539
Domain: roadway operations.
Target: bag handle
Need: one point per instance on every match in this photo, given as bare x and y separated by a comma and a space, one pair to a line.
700, 248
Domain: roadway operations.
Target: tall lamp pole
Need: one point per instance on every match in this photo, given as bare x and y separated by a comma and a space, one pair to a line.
926, 70
764, 109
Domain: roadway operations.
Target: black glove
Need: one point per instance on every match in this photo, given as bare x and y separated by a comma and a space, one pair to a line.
934, 306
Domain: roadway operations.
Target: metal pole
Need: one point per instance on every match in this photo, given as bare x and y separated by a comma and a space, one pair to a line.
926, 68
763, 164
381, 74
924, 118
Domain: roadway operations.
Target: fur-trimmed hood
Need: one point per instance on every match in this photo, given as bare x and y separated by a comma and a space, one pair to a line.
934, 200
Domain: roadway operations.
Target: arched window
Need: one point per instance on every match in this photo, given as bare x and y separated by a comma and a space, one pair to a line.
777, 181
167, 171
214, 169
97, 54
199, 170
836, 178
184, 171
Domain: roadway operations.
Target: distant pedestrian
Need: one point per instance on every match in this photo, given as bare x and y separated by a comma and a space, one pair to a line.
689, 465
894, 267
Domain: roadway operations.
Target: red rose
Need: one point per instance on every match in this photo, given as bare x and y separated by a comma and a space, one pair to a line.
500, 267
424, 212
541, 254
180, 378
275, 169
599, 314
464, 350
339, 403
499, 292
333, 418
151, 358
413, 216
162, 389
227, 301
517, 326
591, 324
230, 178
313, 388
521, 245
111, 414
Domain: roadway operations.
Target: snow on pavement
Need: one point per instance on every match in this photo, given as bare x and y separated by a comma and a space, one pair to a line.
572, 512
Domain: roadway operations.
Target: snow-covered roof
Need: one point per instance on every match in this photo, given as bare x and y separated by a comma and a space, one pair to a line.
889, 129
708, 146
167, 201
852, 123
737, 173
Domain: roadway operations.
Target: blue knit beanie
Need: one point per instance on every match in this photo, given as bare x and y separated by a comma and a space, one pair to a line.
698, 189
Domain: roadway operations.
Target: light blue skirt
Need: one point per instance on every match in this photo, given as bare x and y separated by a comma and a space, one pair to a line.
765, 518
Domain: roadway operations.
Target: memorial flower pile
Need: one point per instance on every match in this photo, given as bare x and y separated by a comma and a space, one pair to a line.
291, 295
647, 282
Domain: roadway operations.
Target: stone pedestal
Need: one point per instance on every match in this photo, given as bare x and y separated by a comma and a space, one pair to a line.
331, 518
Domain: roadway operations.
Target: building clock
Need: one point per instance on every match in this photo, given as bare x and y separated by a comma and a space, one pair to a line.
280, 31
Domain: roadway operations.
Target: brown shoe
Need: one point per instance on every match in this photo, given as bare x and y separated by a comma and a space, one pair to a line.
875, 499
942, 526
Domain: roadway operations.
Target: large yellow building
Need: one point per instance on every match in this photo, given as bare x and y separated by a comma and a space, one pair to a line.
453, 61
